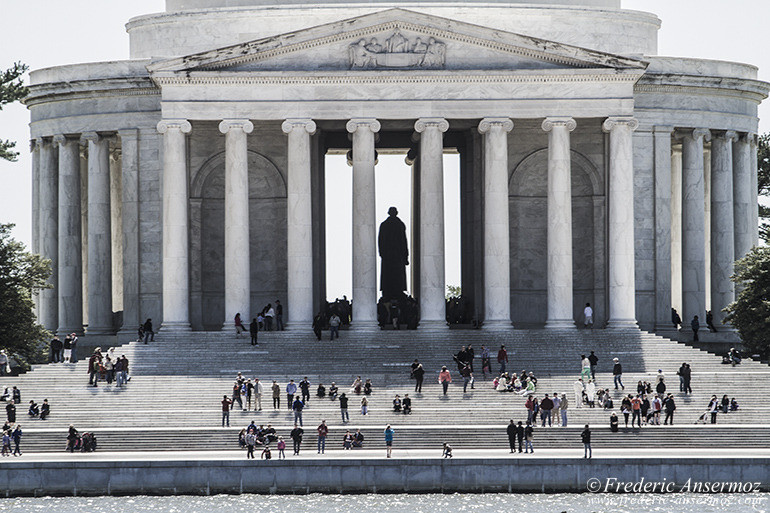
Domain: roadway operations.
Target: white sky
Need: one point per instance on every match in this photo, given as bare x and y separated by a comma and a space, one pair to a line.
45, 33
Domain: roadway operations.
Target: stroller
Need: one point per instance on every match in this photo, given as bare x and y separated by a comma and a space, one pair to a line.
702, 418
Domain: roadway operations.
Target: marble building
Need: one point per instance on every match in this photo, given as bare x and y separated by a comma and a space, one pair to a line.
187, 183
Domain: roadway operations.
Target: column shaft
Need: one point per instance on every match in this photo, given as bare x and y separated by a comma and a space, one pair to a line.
49, 233
237, 238
754, 204
99, 236
300, 223
129, 174
70, 238
432, 279
622, 287
742, 196
662, 163
693, 226
722, 224
35, 150
497, 279
559, 234
176, 258
364, 228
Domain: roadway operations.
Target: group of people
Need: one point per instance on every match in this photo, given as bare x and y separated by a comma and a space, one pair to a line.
64, 351
676, 320
268, 319
253, 436
11, 431
107, 367
551, 409
398, 312
716, 406
524, 384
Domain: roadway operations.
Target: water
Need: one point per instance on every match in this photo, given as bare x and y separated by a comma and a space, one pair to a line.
397, 503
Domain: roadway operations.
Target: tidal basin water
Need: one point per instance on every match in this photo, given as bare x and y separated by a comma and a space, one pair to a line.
396, 503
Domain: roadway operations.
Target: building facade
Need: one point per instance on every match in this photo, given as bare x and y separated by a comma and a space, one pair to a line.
187, 183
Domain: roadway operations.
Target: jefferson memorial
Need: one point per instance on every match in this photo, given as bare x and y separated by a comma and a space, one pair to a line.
186, 184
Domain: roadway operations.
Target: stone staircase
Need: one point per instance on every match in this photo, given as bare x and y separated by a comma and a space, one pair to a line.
172, 401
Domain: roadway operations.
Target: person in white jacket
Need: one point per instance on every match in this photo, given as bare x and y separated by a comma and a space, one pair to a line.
591, 392
578, 387
258, 394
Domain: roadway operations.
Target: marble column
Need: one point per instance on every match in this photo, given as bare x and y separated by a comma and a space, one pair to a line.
432, 279
622, 287
176, 257
663, 161
299, 223
722, 223
70, 238
754, 204
49, 233
116, 226
34, 148
693, 226
497, 279
237, 259
742, 196
364, 228
129, 174
99, 236
559, 233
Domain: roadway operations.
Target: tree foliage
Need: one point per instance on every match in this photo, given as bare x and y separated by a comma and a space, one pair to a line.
22, 274
750, 314
11, 89
453, 291
763, 184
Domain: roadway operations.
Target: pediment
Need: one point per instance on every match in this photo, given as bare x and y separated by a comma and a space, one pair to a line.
395, 39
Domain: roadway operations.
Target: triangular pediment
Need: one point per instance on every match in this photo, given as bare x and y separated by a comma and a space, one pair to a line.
396, 39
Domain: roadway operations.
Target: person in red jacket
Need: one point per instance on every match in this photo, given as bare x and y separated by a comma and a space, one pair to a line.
502, 358
444, 378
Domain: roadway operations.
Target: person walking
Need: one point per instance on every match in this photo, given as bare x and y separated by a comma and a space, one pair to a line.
617, 374
465, 372
323, 430
296, 437
585, 363
297, 407
317, 325
585, 436
251, 441
502, 358
444, 378
389, 440
675, 319
713, 408
254, 332
334, 326
563, 405
695, 325
304, 387
593, 360
636, 411
291, 389
669, 407
418, 373
148, 333
577, 387
276, 388
239, 328
687, 379
281, 448
528, 436
344, 407
588, 313
520, 436
511, 431
16, 437
226, 403
278, 316
258, 391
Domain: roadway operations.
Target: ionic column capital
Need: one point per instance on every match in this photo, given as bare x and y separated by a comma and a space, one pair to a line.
36, 143
693, 133
182, 125
368, 123
235, 124
749, 138
116, 154
423, 124
87, 137
729, 135
487, 124
616, 121
59, 140
308, 125
566, 121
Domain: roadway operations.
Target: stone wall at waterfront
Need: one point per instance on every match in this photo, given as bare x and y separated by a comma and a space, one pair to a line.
65, 478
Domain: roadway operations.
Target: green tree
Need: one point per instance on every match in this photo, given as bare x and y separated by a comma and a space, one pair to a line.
11, 89
763, 184
22, 274
453, 291
750, 314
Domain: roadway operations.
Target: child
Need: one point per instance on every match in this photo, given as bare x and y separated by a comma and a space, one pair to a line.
447, 450
281, 447
6, 444
364, 406
266, 453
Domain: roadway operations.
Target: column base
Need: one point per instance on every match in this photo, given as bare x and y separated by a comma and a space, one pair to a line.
296, 326
364, 326
622, 324
497, 325
560, 324
425, 325
97, 330
175, 326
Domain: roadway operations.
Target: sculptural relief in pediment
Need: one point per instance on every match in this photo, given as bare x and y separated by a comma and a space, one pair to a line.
397, 51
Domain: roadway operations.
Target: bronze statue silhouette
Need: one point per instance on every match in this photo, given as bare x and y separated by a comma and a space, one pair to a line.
395, 256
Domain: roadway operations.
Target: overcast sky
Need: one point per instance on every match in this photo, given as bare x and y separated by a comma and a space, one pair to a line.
45, 33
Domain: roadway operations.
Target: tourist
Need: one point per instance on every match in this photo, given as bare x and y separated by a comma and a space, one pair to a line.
72, 438
444, 378
389, 440
710, 321
304, 387
591, 393
397, 404
563, 405
269, 317
251, 441
733, 404
588, 314
226, 405
418, 373
585, 363
347, 441
625, 408
333, 391
546, 405
358, 439
447, 450
16, 437
148, 333
239, 328
5, 365
617, 374
266, 453
297, 408
577, 387
680, 373
502, 358
645, 409
486, 365
613, 422
585, 436
291, 389
67, 346
406, 404
368, 387
334, 326
594, 360
529, 433
281, 448
296, 437
734, 357
695, 325
687, 379
6, 443
725, 404
364, 406
33, 410
117, 368
258, 390
109, 369
237, 393
254, 332
344, 407
56, 350
10, 411
94, 365
45, 410
636, 411
278, 315
357, 385
465, 372
16, 395
713, 408
323, 430
317, 325
669, 407
320, 391
511, 431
